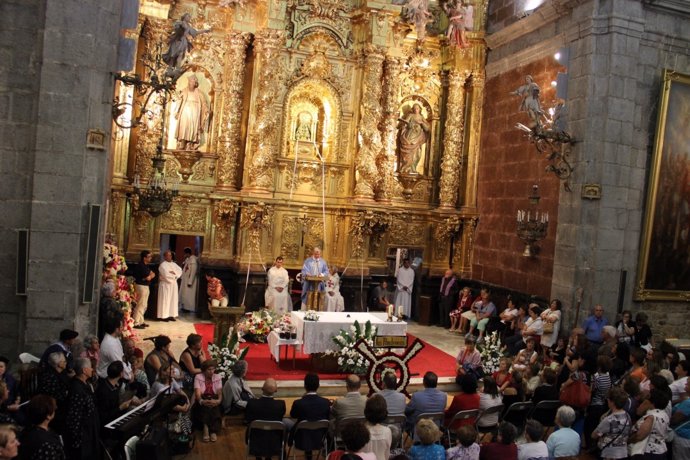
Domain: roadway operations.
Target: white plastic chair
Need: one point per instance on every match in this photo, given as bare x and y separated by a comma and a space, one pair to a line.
131, 448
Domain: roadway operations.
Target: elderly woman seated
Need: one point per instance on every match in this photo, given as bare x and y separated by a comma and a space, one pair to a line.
564, 442
236, 391
208, 392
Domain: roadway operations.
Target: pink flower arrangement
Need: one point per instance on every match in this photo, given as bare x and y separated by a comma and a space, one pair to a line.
114, 267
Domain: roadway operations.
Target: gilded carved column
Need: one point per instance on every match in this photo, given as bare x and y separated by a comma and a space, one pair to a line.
386, 161
369, 138
477, 88
464, 247
451, 163
264, 137
229, 141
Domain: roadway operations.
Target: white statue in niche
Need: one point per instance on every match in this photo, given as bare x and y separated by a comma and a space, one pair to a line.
192, 116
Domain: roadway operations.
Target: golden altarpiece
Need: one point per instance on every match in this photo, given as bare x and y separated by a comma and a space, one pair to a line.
307, 106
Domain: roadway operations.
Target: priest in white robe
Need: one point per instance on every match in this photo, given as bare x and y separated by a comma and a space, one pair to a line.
277, 296
334, 300
169, 272
313, 266
189, 282
403, 288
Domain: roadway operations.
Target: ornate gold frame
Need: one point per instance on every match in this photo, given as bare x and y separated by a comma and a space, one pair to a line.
671, 82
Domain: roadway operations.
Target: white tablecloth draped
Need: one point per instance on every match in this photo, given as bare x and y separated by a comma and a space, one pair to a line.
274, 343
317, 336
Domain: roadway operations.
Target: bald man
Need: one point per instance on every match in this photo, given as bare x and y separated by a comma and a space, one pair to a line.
265, 408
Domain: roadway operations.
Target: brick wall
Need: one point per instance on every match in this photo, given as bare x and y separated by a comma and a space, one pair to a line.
508, 167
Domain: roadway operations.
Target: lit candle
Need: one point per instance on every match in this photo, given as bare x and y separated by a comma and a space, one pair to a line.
400, 310
390, 310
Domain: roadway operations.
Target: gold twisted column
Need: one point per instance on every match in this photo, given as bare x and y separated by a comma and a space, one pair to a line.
267, 46
386, 161
477, 87
229, 141
464, 247
369, 137
451, 162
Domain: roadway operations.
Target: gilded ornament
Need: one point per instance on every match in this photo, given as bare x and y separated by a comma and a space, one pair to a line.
404, 233
368, 226
451, 162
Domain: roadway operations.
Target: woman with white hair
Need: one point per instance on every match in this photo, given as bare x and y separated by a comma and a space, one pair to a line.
564, 442
9, 445
53, 381
92, 350
236, 391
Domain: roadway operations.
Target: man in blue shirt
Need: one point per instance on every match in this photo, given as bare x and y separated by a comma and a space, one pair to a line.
594, 325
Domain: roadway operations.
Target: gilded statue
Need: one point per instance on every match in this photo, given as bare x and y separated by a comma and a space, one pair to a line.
529, 92
460, 19
180, 41
413, 134
192, 116
303, 130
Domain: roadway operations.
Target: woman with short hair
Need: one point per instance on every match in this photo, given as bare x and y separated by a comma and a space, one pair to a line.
564, 442
9, 445
208, 388
380, 436
428, 434
38, 442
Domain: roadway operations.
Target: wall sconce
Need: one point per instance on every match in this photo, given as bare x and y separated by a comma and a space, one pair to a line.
532, 226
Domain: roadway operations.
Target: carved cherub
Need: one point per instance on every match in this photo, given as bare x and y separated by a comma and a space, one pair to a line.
416, 12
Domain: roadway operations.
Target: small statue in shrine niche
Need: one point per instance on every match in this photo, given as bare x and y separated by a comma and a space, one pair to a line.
192, 116
529, 92
413, 134
303, 130
460, 19
180, 41
416, 12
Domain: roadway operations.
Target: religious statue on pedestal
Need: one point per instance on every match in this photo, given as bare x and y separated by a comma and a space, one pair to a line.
180, 41
192, 116
413, 134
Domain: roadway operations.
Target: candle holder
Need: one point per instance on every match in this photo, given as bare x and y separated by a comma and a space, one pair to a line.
531, 228
389, 311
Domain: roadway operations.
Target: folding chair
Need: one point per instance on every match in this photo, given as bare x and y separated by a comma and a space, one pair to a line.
397, 421
486, 413
337, 438
545, 413
517, 414
309, 428
259, 441
460, 415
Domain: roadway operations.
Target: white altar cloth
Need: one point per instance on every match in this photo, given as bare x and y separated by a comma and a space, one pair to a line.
317, 336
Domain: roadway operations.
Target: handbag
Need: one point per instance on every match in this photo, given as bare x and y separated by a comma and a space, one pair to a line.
576, 395
548, 327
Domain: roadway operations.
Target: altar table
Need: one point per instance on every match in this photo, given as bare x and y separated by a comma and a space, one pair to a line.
317, 336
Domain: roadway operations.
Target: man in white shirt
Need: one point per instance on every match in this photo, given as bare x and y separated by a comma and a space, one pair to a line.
678, 386
277, 296
403, 288
111, 349
190, 281
168, 272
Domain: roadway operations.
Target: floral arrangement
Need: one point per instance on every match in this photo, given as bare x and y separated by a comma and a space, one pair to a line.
283, 323
114, 267
228, 354
311, 315
256, 326
350, 360
490, 351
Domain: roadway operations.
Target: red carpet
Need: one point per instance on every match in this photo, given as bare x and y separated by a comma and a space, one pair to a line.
261, 365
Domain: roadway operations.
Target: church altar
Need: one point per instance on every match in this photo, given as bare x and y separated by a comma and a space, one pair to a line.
317, 336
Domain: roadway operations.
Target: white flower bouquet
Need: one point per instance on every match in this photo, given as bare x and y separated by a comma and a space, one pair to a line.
311, 315
228, 354
490, 352
349, 359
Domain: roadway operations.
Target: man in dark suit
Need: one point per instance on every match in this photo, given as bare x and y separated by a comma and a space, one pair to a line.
265, 408
311, 407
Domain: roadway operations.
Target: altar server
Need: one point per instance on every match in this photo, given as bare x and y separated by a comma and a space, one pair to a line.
403, 288
168, 272
277, 296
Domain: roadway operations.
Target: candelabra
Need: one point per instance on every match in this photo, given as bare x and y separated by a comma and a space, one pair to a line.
532, 226
156, 196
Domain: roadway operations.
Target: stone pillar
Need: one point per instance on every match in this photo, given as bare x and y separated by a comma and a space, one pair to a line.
477, 87
229, 142
386, 161
451, 162
264, 137
370, 113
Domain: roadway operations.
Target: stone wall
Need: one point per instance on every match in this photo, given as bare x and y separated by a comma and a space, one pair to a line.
55, 73
617, 49
508, 167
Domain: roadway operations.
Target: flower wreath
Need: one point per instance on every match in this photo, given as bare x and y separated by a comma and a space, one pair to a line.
388, 362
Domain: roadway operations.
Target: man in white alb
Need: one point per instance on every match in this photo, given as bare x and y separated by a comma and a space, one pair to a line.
277, 296
334, 299
313, 266
403, 289
168, 272
190, 281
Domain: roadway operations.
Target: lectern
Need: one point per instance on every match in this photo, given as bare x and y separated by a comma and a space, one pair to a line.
315, 298
223, 318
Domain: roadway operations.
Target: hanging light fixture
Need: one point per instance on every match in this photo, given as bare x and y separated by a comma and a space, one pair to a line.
156, 196
532, 225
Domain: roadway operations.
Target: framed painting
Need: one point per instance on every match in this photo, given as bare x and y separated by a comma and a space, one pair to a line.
664, 266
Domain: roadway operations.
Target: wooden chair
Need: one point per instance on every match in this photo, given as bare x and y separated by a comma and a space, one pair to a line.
265, 426
310, 428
